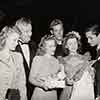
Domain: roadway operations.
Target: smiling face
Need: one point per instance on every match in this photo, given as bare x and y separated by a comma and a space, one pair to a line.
12, 41
58, 31
50, 47
26, 30
92, 38
72, 45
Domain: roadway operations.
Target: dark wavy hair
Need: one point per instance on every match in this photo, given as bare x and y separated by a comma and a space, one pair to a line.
95, 29
71, 36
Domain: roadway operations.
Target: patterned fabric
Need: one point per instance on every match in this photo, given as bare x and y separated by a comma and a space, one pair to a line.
75, 72
12, 75
78, 71
42, 68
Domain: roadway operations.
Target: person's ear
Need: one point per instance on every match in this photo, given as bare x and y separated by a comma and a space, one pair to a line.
99, 36
66, 46
51, 31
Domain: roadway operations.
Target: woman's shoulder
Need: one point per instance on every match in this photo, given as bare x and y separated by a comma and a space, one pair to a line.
85, 57
74, 58
79, 56
38, 59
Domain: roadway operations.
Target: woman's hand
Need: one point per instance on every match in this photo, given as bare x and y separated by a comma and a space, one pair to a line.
69, 81
45, 87
61, 76
50, 84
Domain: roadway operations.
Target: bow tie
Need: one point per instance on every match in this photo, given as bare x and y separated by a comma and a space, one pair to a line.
22, 43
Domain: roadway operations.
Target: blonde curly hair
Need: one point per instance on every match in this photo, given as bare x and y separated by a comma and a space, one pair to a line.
41, 46
5, 32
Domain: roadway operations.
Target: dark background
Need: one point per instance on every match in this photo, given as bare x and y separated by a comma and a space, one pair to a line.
75, 14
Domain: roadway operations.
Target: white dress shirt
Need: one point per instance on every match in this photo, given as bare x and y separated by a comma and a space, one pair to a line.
26, 52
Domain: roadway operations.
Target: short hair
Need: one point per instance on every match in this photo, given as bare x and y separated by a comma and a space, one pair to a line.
23, 21
41, 49
55, 22
95, 29
5, 32
71, 36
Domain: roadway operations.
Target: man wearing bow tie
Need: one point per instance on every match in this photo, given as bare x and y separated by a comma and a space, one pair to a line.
93, 36
27, 48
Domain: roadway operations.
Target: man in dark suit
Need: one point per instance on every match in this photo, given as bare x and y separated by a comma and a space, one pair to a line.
93, 36
27, 48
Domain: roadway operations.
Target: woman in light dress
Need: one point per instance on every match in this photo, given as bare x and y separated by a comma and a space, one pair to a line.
45, 67
79, 72
12, 75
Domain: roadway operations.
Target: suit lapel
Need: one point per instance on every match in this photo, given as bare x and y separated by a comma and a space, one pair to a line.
32, 50
20, 50
32, 53
98, 53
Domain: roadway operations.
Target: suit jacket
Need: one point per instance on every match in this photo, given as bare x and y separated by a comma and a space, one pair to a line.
96, 65
32, 49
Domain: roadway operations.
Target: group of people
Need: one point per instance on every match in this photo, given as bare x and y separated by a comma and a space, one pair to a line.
16, 55
53, 70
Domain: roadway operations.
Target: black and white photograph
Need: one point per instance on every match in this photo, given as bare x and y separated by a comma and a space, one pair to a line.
49, 56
